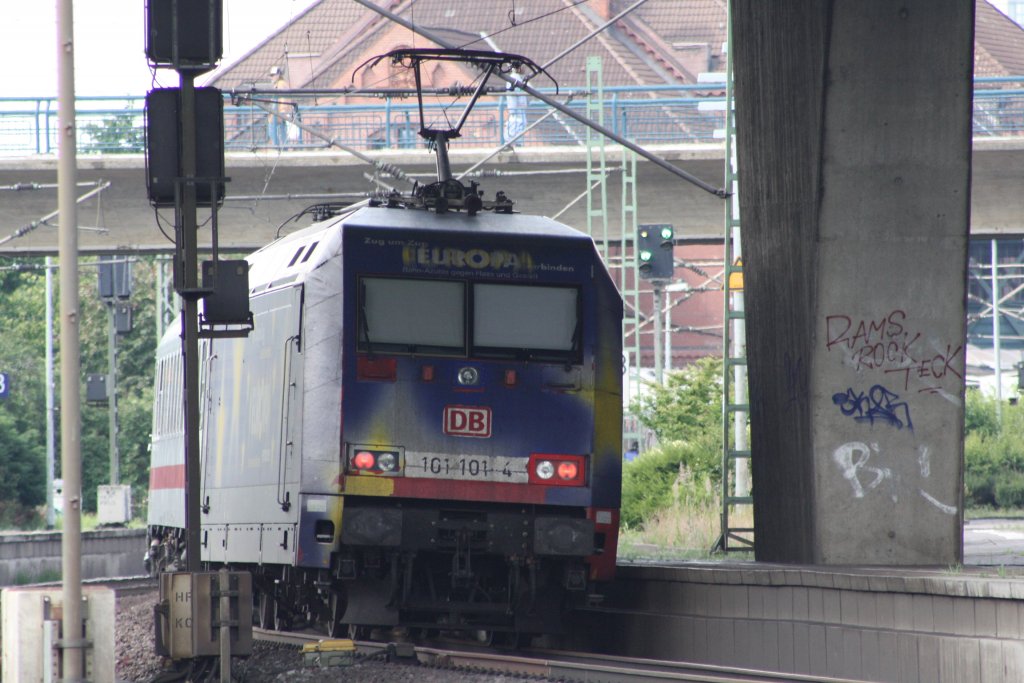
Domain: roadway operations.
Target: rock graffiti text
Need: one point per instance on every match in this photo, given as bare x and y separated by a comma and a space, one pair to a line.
889, 344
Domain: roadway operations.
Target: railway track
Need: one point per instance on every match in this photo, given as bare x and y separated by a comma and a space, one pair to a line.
551, 664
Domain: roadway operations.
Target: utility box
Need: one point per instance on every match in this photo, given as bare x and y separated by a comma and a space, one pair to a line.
96, 389
32, 626
115, 277
188, 618
114, 503
228, 304
122, 318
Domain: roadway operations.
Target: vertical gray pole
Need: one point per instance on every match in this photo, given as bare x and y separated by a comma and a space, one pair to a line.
668, 331
160, 298
70, 364
190, 316
658, 358
996, 345
224, 584
115, 470
51, 412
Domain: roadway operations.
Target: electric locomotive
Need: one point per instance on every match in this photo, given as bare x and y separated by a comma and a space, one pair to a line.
423, 427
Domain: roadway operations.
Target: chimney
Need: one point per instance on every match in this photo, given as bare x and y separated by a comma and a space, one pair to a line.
603, 8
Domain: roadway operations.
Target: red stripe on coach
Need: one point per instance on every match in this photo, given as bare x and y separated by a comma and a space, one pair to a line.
167, 477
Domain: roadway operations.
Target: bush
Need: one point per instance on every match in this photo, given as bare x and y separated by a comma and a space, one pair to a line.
1009, 490
688, 407
686, 416
673, 473
993, 453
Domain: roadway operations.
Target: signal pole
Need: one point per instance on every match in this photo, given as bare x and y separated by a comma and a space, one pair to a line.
659, 354
189, 269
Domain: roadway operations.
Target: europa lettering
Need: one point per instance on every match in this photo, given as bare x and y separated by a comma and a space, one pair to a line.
477, 259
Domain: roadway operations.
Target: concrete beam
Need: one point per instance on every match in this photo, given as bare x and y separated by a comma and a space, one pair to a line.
855, 199
997, 203
531, 177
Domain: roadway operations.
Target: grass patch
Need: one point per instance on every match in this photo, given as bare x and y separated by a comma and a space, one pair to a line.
45, 576
687, 529
986, 512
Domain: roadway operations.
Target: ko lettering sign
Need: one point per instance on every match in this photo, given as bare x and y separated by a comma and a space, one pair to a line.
5, 385
467, 421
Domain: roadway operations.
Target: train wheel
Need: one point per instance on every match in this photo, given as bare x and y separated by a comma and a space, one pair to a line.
280, 618
267, 609
335, 612
357, 632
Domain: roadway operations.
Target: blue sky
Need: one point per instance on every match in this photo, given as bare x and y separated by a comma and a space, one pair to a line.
110, 46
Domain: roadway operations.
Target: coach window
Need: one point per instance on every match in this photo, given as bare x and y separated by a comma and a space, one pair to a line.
411, 316
527, 322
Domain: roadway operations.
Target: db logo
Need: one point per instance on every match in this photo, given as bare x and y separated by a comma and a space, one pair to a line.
467, 421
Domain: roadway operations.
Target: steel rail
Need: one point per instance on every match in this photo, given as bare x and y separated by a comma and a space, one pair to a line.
561, 665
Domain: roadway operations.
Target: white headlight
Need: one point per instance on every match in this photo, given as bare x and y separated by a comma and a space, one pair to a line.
387, 462
545, 469
468, 376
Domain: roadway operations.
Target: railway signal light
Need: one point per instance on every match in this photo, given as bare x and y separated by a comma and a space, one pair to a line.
655, 251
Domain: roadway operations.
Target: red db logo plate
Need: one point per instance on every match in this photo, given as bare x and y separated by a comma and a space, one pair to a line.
467, 421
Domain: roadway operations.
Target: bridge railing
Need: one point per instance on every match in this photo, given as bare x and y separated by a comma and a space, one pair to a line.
651, 115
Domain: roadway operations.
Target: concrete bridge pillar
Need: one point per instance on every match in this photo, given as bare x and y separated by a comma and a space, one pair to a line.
854, 141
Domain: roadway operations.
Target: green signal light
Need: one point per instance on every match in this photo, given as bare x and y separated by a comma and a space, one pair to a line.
666, 233
645, 255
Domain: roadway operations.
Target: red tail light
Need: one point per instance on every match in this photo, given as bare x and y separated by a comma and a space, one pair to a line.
557, 470
363, 460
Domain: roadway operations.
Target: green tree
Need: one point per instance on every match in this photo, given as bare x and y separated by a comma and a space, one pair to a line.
23, 412
686, 416
118, 134
993, 452
688, 407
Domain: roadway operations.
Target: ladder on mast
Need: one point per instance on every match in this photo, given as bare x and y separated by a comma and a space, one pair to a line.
736, 453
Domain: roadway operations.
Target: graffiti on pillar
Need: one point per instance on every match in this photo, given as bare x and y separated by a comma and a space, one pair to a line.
854, 462
877, 404
892, 345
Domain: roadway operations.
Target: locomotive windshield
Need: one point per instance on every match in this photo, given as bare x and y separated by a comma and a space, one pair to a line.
526, 322
531, 319
412, 315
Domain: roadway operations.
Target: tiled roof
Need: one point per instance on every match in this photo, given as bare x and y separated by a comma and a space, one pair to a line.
662, 41
688, 32
998, 43
333, 36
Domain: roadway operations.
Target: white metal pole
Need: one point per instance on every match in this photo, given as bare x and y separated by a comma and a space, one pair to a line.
668, 330
996, 346
51, 412
658, 360
70, 363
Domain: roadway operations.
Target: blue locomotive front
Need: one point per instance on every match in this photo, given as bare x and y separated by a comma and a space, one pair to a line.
423, 429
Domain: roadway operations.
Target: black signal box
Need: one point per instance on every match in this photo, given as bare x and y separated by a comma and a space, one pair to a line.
655, 246
163, 145
184, 34
228, 300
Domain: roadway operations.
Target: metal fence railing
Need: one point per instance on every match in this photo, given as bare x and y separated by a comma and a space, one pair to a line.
650, 115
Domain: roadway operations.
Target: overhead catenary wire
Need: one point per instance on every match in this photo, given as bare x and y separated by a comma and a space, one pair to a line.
332, 141
25, 229
587, 37
525, 87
